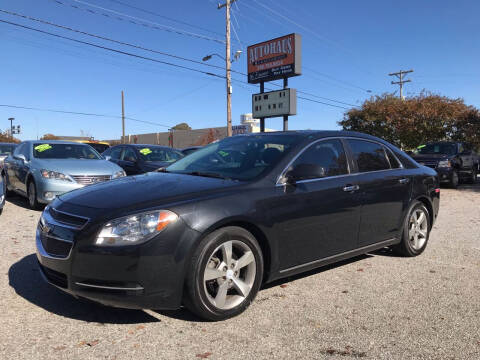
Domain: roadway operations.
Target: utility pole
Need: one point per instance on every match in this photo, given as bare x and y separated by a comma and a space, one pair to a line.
11, 126
123, 119
228, 64
400, 81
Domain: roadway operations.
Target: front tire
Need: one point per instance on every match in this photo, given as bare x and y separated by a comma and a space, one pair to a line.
225, 274
416, 231
454, 180
32, 196
473, 176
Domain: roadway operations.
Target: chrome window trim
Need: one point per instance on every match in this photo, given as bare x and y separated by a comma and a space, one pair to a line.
281, 176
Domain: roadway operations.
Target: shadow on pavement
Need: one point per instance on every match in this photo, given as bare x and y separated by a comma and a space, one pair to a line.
470, 187
25, 278
19, 201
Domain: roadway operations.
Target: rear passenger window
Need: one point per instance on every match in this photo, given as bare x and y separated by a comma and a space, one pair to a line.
369, 156
394, 164
329, 154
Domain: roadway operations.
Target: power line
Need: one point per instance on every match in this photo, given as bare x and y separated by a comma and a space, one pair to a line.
164, 17
82, 114
151, 59
137, 21
335, 79
114, 41
112, 50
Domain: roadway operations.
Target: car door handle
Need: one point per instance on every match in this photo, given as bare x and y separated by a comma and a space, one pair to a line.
404, 181
350, 188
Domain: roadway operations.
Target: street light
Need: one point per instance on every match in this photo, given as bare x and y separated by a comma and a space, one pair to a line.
11, 126
236, 56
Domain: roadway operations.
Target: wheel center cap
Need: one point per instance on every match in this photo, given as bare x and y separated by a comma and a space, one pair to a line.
230, 274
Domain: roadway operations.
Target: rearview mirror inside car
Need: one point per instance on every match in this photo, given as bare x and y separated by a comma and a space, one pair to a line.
305, 172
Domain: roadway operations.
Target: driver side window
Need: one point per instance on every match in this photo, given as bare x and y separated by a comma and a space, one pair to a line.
328, 154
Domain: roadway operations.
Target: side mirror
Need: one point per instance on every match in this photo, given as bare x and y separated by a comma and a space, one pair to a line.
21, 157
305, 172
107, 157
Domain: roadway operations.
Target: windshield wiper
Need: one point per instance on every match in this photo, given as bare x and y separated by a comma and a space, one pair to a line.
208, 174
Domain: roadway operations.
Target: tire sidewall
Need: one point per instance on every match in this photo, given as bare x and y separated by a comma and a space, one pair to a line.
202, 255
33, 206
454, 184
406, 241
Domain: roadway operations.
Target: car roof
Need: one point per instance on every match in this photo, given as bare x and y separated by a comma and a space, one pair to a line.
63, 142
317, 134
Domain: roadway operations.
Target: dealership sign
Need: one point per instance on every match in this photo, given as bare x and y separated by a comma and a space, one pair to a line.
275, 59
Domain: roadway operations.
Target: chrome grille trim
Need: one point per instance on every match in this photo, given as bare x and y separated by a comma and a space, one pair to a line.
91, 179
49, 216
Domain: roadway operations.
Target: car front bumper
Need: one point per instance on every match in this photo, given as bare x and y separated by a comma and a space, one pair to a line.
145, 276
48, 190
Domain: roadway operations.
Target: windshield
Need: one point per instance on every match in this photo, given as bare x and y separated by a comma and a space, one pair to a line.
437, 148
238, 157
65, 151
6, 149
159, 154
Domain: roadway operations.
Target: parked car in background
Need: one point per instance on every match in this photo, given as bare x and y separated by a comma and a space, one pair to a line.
217, 224
2, 193
454, 161
190, 150
43, 170
5, 150
99, 146
139, 159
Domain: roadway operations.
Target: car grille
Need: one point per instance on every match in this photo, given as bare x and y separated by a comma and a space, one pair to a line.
431, 164
67, 219
90, 179
55, 247
55, 277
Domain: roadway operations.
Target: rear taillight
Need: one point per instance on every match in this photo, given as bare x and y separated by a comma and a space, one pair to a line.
437, 191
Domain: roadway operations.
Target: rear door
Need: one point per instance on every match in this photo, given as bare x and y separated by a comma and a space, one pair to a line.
23, 167
317, 218
385, 188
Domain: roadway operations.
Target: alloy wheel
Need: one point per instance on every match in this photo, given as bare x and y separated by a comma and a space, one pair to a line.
418, 229
229, 274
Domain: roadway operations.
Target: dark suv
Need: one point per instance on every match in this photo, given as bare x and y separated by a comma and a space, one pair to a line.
452, 161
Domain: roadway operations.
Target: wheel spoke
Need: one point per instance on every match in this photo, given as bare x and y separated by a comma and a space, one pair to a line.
416, 242
212, 274
242, 288
423, 233
245, 260
411, 233
221, 297
421, 218
227, 252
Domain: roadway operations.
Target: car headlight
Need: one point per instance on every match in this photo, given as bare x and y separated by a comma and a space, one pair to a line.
47, 174
135, 229
444, 164
119, 174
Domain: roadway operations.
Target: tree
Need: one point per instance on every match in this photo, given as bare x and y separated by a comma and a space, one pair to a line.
416, 120
6, 138
49, 137
182, 126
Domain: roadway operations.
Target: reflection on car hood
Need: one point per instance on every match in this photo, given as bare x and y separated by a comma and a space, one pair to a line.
77, 166
144, 191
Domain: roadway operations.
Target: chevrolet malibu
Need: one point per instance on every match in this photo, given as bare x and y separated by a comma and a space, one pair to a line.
43, 170
209, 230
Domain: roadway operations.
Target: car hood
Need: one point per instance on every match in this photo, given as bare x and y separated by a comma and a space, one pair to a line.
145, 191
78, 166
431, 157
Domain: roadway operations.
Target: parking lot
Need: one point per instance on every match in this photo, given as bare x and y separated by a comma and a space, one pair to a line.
377, 306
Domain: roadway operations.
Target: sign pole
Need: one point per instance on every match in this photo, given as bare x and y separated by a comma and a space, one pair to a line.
262, 120
285, 117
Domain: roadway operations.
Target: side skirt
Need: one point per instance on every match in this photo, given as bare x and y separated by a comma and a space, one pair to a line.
336, 258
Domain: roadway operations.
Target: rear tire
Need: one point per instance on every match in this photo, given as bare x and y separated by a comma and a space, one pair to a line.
225, 274
454, 180
473, 176
416, 231
32, 196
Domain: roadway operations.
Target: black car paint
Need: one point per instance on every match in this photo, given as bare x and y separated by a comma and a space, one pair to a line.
281, 217
140, 166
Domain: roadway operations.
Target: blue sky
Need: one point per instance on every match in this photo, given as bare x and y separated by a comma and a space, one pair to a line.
348, 47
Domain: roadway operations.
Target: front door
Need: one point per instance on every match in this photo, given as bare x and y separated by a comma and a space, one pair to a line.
317, 218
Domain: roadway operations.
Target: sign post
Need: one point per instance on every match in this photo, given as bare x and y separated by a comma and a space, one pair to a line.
275, 59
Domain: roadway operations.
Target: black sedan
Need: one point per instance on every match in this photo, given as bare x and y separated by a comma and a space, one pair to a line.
213, 227
139, 159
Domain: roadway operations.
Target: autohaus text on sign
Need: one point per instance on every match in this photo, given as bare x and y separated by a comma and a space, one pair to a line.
275, 59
